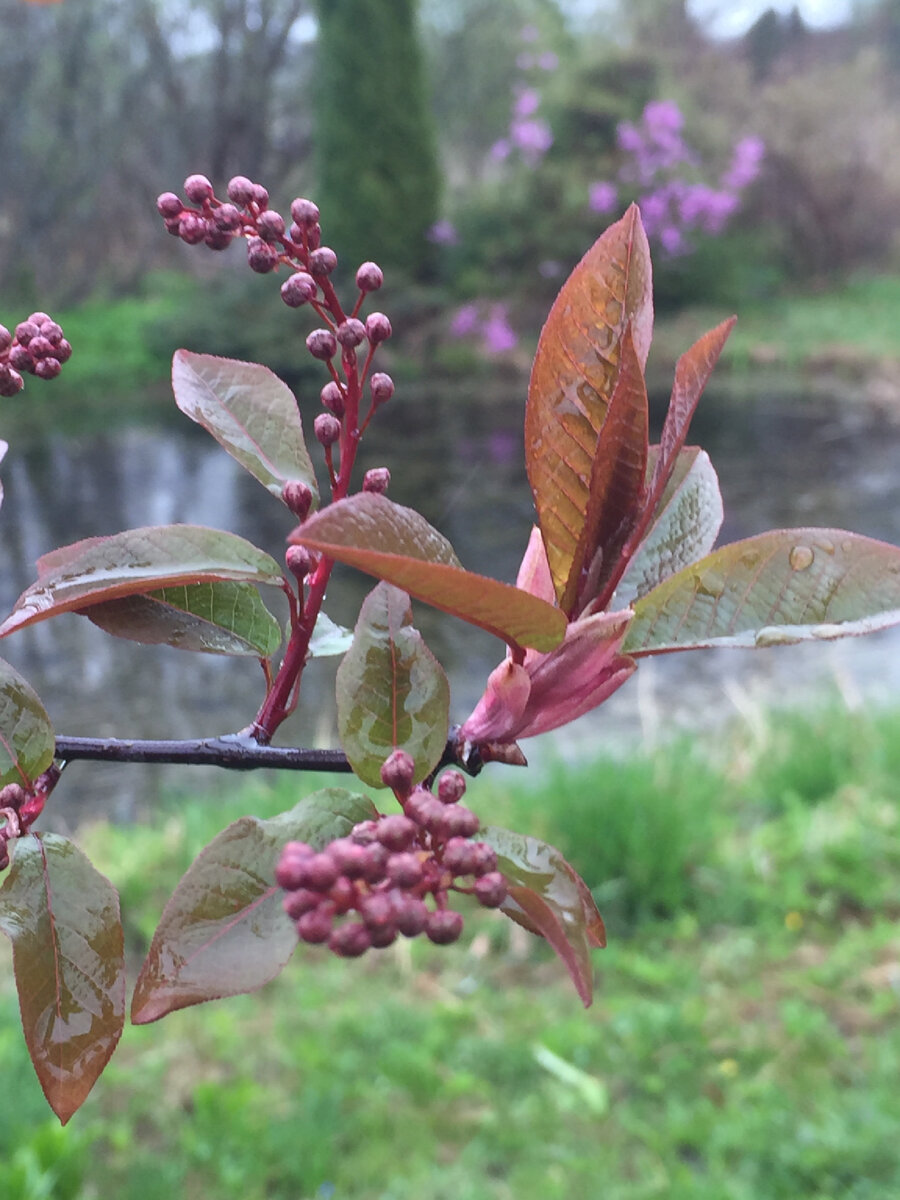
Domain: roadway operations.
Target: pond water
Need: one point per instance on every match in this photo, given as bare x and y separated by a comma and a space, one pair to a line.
780, 463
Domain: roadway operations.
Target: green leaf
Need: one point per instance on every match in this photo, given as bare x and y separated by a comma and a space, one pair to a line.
392, 692
549, 898
329, 638
27, 741
62, 917
224, 932
789, 585
684, 529
95, 570
572, 381
396, 544
218, 618
250, 412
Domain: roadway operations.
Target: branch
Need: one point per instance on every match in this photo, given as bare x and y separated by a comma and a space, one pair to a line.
237, 752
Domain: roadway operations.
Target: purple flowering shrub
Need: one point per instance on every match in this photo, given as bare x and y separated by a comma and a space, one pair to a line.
666, 178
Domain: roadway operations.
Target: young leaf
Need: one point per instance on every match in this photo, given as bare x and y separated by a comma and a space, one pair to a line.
549, 898
218, 618
85, 573
250, 412
573, 377
224, 932
27, 741
617, 484
692, 371
789, 585
687, 522
62, 917
392, 692
329, 638
396, 544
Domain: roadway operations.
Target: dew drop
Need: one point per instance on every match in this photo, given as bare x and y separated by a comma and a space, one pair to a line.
800, 558
750, 559
774, 635
826, 545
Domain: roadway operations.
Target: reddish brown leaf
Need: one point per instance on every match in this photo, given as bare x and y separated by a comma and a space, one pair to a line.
136, 561
692, 373
573, 377
62, 917
396, 544
27, 741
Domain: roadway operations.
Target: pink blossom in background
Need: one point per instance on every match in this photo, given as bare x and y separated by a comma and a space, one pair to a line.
602, 197
527, 102
548, 61
671, 239
533, 137
498, 334
443, 233
745, 163
663, 115
465, 321
500, 150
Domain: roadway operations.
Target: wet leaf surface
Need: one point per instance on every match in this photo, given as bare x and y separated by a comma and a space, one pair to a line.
27, 741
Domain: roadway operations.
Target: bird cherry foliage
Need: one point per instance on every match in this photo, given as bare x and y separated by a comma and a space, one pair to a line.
620, 564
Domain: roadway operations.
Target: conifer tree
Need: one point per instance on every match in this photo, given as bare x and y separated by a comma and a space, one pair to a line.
378, 175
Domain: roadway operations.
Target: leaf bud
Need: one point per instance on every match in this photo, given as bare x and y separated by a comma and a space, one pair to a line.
322, 344
299, 288
382, 387
297, 495
350, 332
377, 480
169, 205
378, 328
322, 261
240, 190
332, 397
327, 428
443, 927
261, 256
270, 225
369, 277
197, 188
298, 561
191, 228
304, 212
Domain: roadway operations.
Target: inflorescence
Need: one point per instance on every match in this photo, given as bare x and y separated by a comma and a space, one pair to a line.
381, 876
36, 347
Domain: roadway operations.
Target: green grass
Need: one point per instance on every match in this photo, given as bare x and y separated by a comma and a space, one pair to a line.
743, 1044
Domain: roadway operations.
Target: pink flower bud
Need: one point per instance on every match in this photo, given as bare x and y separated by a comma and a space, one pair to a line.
349, 333
397, 771
197, 188
381, 387
322, 344
369, 277
378, 328
327, 428
332, 397
377, 480
304, 212
299, 561
297, 495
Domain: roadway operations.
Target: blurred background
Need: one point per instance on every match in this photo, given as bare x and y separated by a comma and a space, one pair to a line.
735, 812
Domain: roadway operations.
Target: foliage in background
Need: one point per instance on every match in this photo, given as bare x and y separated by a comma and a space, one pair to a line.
376, 149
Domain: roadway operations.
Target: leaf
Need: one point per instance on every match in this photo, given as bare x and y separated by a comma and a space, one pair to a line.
692, 372
95, 570
27, 741
396, 544
329, 638
224, 932
617, 483
62, 917
548, 897
789, 585
573, 377
687, 522
218, 618
250, 412
392, 692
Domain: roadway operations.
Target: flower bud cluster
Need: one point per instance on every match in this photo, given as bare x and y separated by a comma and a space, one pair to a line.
36, 347
12, 799
392, 875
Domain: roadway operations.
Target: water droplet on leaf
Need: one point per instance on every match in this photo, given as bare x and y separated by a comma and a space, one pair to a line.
800, 558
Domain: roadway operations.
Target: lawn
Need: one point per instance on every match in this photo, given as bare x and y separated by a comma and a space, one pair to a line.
743, 1044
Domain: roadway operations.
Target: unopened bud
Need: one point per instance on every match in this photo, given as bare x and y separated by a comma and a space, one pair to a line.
377, 480
228, 218
191, 228
327, 428
299, 561
217, 239
298, 289
332, 397
314, 236
369, 277
322, 344
240, 190
322, 261
260, 196
443, 927
11, 382
397, 771
451, 787
169, 205
381, 387
304, 212
378, 328
197, 188
47, 368
5, 339
349, 333
270, 226
297, 495
261, 256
